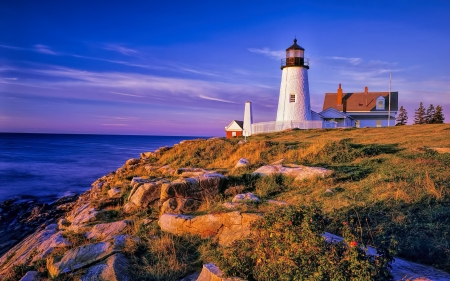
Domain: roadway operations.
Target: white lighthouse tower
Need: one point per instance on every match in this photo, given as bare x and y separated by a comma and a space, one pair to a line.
294, 103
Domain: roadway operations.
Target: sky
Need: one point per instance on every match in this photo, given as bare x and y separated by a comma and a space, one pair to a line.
188, 67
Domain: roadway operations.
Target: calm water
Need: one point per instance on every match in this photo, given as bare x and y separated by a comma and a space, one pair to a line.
48, 166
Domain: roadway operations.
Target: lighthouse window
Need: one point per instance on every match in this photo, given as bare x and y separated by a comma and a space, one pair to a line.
380, 104
292, 98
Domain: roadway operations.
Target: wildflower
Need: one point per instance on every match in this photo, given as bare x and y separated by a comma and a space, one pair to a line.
353, 244
345, 223
290, 223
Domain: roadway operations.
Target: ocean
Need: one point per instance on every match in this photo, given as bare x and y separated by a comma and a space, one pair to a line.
45, 167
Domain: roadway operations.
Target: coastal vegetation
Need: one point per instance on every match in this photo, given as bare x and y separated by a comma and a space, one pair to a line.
389, 189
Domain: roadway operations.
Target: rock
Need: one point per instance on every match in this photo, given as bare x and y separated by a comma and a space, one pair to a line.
241, 142
166, 170
132, 161
147, 155
245, 197
180, 205
299, 172
114, 192
224, 227
231, 205
440, 149
104, 231
150, 168
277, 203
201, 188
329, 191
36, 246
211, 272
63, 224
278, 162
243, 162
113, 268
31, 276
84, 256
192, 172
83, 214
144, 192
191, 277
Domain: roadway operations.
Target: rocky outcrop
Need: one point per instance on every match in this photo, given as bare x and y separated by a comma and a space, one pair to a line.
36, 246
113, 268
144, 192
212, 272
224, 227
84, 256
104, 231
440, 149
299, 172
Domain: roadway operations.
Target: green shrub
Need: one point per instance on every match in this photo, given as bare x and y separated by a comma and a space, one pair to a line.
287, 244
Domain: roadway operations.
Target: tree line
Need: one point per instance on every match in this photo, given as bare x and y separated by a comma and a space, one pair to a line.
431, 115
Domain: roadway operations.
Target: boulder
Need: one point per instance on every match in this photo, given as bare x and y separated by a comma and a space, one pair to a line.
132, 161
36, 246
166, 170
201, 188
84, 256
180, 205
113, 268
147, 155
31, 276
245, 197
299, 172
105, 231
243, 162
211, 272
224, 227
144, 192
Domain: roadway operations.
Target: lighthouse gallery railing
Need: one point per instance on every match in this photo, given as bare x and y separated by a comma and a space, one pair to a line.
276, 126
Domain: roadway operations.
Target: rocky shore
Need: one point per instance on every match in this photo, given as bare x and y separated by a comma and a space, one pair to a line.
91, 236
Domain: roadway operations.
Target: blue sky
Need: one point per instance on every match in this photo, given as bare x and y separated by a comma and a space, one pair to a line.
187, 67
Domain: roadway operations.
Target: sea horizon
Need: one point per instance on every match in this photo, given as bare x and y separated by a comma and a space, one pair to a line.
43, 167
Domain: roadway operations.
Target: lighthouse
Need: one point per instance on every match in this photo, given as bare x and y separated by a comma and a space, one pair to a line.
294, 103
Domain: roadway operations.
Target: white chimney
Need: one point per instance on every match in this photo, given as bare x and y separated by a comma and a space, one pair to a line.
248, 119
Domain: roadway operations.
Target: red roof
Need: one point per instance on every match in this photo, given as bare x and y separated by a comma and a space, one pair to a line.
360, 101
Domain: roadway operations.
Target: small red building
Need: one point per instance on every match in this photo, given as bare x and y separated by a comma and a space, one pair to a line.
234, 129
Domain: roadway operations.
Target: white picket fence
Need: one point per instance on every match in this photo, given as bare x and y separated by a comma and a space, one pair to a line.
276, 126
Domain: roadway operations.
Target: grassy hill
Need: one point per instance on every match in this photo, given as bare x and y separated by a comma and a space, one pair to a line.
387, 182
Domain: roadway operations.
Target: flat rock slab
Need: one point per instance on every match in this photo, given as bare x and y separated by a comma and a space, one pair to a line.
211, 272
113, 268
224, 227
104, 231
85, 255
243, 162
30, 276
36, 246
299, 172
82, 215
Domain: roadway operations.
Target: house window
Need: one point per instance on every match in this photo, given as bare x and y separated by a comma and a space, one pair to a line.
380, 103
292, 98
233, 134
378, 123
358, 123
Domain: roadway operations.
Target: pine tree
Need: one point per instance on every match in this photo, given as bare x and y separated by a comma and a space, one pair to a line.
438, 117
420, 115
429, 118
402, 117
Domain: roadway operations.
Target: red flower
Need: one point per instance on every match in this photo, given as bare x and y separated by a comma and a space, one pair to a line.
290, 223
353, 244
345, 223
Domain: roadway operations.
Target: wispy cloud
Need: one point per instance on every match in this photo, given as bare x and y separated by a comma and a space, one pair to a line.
129, 95
44, 49
215, 99
114, 125
12, 48
273, 54
353, 61
120, 49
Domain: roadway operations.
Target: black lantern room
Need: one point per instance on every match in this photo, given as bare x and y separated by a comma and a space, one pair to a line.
295, 56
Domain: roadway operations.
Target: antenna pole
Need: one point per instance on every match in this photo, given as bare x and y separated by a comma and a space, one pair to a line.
389, 114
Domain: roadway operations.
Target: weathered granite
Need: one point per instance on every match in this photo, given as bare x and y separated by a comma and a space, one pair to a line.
104, 231
299, 172
114, 268
212, 272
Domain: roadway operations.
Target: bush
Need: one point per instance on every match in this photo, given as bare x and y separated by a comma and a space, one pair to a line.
287, 244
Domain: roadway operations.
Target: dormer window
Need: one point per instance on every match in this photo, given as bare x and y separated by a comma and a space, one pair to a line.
380, 103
